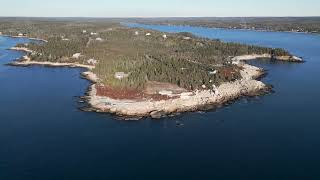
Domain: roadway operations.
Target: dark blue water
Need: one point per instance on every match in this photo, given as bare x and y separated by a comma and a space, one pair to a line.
277, 136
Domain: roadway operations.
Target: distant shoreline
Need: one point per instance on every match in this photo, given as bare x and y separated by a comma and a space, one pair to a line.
225, 28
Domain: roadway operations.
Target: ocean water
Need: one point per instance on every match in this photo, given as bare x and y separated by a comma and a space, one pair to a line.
43, 135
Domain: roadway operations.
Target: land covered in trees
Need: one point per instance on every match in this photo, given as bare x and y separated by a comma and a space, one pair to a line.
292, 24
132, 58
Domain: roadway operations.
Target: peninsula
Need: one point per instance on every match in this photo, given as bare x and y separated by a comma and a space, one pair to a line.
140, 73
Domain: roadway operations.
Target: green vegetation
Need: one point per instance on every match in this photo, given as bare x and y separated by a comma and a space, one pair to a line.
181, 58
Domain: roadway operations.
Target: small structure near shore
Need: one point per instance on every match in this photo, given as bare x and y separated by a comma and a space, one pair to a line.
213, 72
165, 93
120, 75
76, 55
164, 36
92, 61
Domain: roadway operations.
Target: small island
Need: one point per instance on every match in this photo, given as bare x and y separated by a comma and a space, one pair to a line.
141, 73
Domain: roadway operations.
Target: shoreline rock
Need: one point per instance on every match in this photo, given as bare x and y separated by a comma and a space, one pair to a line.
50, 64
237, 59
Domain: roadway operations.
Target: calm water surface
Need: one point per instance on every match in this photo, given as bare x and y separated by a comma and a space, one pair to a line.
44, 136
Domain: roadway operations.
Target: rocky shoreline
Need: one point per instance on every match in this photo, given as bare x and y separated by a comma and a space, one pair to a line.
50, 64
267, 56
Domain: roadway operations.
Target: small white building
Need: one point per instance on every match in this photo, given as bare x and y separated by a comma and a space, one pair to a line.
148, 34
120, 75
186, 38
164, 36
215, 90
213, 72
65, 39
165, 93
92, 61
76, 55
99, 39
20, 34
0, 33
214, 87
136, 33
93, 33
84, 31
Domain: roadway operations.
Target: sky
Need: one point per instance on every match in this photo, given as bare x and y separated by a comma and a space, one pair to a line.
159, 8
